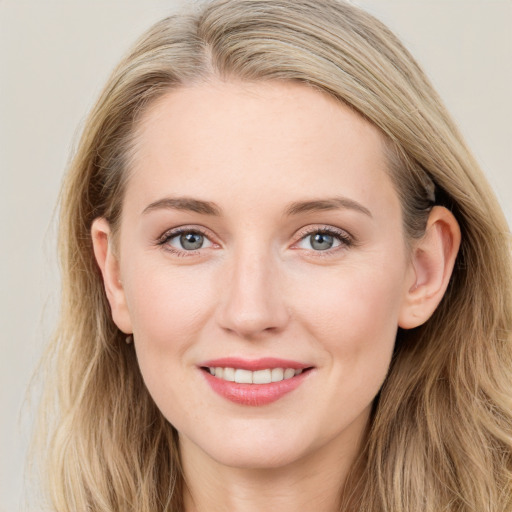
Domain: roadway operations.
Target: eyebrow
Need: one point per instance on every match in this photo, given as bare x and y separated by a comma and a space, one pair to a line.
185, 204
208, 208
333, 203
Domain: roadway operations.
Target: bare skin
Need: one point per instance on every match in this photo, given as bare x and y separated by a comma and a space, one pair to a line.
260, 222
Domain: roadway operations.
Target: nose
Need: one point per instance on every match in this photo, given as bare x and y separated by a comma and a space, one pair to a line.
253, 304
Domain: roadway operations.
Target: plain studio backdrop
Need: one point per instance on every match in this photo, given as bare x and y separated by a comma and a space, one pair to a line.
54, 59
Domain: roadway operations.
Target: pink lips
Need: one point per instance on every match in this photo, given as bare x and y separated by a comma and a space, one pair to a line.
254, 394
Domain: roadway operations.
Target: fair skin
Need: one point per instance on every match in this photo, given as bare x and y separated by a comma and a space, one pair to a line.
261, 269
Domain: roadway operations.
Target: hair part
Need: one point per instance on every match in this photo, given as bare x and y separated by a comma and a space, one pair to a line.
440, 436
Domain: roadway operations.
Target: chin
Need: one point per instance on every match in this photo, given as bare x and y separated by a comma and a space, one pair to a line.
250, 448
250, 457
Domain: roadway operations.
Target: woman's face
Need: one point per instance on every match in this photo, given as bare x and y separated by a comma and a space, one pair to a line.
260, 233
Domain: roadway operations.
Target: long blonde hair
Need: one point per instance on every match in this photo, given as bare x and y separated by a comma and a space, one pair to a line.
440, 437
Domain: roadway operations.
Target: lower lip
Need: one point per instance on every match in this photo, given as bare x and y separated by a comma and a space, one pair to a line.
254, 394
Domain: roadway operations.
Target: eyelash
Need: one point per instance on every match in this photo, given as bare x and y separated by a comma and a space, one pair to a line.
345, 239
163, 241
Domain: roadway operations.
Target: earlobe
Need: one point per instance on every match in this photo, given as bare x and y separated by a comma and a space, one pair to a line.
432, 261
109, 266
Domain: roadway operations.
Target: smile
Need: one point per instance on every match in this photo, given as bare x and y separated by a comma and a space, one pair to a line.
265, 376
254, 383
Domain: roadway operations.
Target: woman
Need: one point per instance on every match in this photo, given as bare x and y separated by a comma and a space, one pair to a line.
286, 281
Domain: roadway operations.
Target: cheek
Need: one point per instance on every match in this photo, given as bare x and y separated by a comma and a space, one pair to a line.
165, 304
353, 320
168, 311
353, 312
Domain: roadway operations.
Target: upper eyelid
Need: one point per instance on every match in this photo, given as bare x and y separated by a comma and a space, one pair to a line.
171, 233
163, 241
346, 240
308, 230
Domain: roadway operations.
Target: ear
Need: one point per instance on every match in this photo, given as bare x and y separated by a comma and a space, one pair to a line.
432, 261
109, 266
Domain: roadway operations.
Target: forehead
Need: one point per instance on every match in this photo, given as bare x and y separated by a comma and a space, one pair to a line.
277, 139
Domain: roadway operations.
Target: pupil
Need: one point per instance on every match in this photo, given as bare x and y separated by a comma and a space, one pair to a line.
321, 241
191, 241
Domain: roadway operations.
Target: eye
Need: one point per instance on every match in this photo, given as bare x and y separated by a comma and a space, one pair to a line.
189, 241
321, 241
185, 240
324, 239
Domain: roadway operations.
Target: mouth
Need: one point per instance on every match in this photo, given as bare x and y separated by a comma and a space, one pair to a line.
257, 382
242, 376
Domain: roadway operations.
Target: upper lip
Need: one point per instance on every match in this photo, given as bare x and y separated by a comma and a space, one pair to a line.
254, 364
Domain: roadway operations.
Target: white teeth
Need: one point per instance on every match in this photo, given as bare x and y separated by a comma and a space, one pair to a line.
257, 377
262, 377
242, 376
289, 373
229, 374
277, 374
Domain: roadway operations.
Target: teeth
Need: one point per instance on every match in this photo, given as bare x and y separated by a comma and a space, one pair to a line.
257, 377
262, 377
289, 373
242, 376
229, 374
277, 374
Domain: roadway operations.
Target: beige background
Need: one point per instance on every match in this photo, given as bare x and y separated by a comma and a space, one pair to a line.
54, 58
